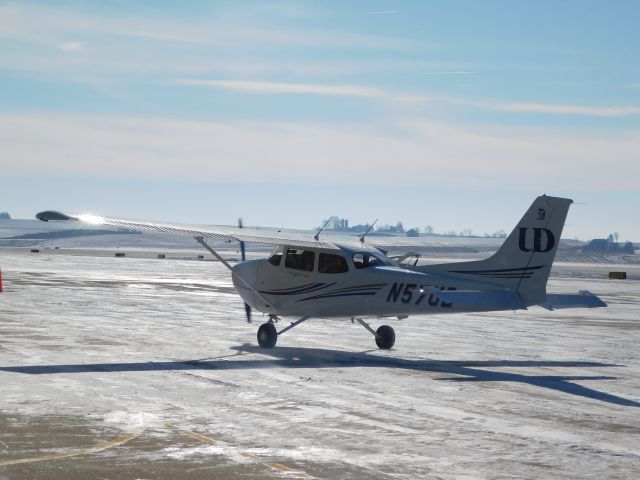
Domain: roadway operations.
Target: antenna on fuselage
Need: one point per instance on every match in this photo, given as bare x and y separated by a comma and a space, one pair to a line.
317, 235
368, 230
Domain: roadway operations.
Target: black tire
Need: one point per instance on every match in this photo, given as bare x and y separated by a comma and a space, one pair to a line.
267, 335
385, 337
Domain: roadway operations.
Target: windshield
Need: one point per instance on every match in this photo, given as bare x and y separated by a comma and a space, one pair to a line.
276, 256
366, 259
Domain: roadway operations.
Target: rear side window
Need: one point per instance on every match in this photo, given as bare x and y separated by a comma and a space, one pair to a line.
300, 259
331, 263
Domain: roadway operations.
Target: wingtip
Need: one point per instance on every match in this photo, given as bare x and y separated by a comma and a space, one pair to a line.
53, 215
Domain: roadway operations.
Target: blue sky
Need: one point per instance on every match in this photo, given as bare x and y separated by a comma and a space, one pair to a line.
452, 114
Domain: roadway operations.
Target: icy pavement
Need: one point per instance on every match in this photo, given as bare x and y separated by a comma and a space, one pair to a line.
145, 368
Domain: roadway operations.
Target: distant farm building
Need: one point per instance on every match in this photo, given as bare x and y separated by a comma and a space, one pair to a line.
608, 246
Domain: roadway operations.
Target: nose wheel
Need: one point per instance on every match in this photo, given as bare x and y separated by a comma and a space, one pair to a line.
267, 335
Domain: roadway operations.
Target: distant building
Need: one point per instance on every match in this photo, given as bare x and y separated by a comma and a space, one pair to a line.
608, 246
338, 224
360, 228
5, 216
629, 248
397, 228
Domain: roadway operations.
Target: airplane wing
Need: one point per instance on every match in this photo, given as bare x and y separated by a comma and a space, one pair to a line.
217, 233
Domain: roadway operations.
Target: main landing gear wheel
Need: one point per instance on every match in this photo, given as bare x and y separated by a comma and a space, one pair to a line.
385, 337
268, 335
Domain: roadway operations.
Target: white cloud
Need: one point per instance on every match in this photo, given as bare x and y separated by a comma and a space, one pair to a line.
418, 153
261, 87
555, 109
156, 45
72, 47
451, 72
38, 24
287, 88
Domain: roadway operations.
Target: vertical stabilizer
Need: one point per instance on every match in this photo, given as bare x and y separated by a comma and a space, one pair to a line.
523, 262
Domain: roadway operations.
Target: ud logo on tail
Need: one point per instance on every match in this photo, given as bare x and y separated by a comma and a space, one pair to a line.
549, 240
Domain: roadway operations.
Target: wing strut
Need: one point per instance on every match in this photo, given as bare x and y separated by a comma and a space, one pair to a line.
243, 256
204, 243
293, 324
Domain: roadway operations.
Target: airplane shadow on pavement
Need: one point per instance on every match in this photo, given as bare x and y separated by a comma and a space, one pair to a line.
291, 357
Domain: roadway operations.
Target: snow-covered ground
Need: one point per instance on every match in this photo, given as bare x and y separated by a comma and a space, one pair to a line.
148, 348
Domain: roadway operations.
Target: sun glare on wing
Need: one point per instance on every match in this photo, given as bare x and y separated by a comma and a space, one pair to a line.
93, 219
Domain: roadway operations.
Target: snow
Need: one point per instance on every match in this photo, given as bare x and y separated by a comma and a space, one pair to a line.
127, 343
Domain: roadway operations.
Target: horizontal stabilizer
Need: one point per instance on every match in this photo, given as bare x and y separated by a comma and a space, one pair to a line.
481, 300
584, 299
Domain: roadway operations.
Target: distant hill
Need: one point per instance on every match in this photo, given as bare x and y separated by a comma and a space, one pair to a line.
5, 216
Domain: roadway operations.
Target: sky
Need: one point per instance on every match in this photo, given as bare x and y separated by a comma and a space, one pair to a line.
450, 114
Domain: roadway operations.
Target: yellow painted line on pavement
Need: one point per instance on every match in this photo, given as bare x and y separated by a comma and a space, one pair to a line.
199, 436
74, 453
194, 435
290, 472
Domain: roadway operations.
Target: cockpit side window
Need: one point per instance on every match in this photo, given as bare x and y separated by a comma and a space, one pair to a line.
276, 256
331, 263
365, 260
300, 259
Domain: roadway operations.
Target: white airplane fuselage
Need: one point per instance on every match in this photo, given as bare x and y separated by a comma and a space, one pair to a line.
382, 289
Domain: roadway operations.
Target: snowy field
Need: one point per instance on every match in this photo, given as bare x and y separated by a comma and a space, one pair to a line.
145, 368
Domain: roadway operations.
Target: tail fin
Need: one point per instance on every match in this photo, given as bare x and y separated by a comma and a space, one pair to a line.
523, 262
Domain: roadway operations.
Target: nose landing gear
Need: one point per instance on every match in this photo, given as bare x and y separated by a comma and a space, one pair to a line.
268, 335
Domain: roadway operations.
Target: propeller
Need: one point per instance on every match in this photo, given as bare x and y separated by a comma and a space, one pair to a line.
243, 255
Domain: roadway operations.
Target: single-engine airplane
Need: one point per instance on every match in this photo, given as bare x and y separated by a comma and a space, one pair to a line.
313, 278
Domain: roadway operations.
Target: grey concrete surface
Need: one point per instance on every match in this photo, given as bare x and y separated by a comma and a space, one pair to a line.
145, 368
